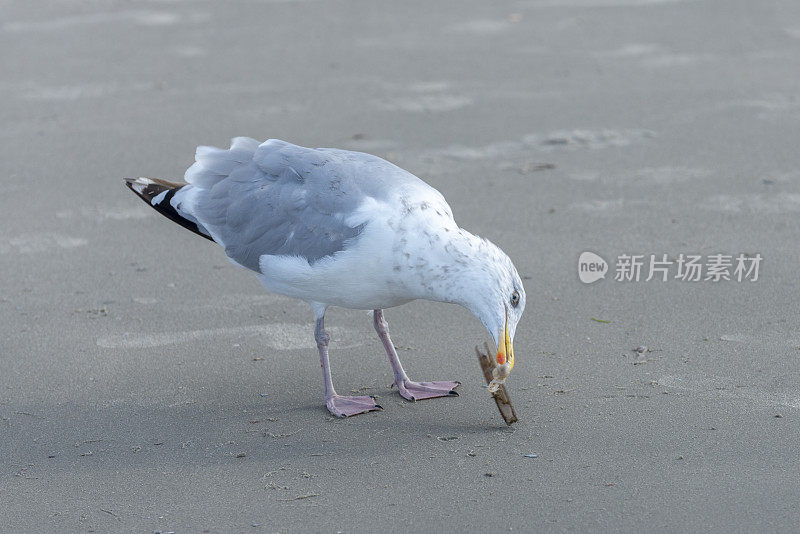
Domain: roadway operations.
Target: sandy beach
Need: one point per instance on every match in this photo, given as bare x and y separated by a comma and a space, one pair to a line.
149, 385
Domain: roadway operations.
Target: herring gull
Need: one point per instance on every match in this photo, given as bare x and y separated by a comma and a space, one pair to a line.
339, 228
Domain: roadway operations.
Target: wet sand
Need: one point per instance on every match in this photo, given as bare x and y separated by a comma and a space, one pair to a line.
146, 384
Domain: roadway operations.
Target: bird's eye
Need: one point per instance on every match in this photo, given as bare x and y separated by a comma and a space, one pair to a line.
515, 299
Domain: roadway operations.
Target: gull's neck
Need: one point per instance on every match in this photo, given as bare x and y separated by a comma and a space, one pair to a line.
449, 264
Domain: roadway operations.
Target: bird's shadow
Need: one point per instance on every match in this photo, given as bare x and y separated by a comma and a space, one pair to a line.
75, 435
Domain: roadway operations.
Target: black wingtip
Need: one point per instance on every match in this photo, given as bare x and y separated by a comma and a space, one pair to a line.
149, 188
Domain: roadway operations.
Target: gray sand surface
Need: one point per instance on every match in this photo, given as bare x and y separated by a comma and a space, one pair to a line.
133, 393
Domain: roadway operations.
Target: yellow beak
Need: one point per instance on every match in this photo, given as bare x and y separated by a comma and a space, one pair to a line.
505, 352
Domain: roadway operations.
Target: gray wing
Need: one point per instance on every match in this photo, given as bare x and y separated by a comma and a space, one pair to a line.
282, 199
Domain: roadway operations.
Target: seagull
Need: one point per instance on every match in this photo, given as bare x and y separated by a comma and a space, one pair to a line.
340, 228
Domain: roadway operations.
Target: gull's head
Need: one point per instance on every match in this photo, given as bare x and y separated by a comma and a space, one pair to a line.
493, 292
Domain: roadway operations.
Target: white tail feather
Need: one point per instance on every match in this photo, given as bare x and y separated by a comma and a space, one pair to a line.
214, 164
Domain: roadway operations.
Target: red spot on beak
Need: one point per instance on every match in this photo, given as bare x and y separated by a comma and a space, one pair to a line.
501, 358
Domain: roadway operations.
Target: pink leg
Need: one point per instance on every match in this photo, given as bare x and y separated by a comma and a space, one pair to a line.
338, 405
409, 389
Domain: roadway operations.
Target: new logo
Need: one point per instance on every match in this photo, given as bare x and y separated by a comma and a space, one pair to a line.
591, 267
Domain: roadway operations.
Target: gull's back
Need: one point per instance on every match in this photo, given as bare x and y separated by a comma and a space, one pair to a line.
280, 199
